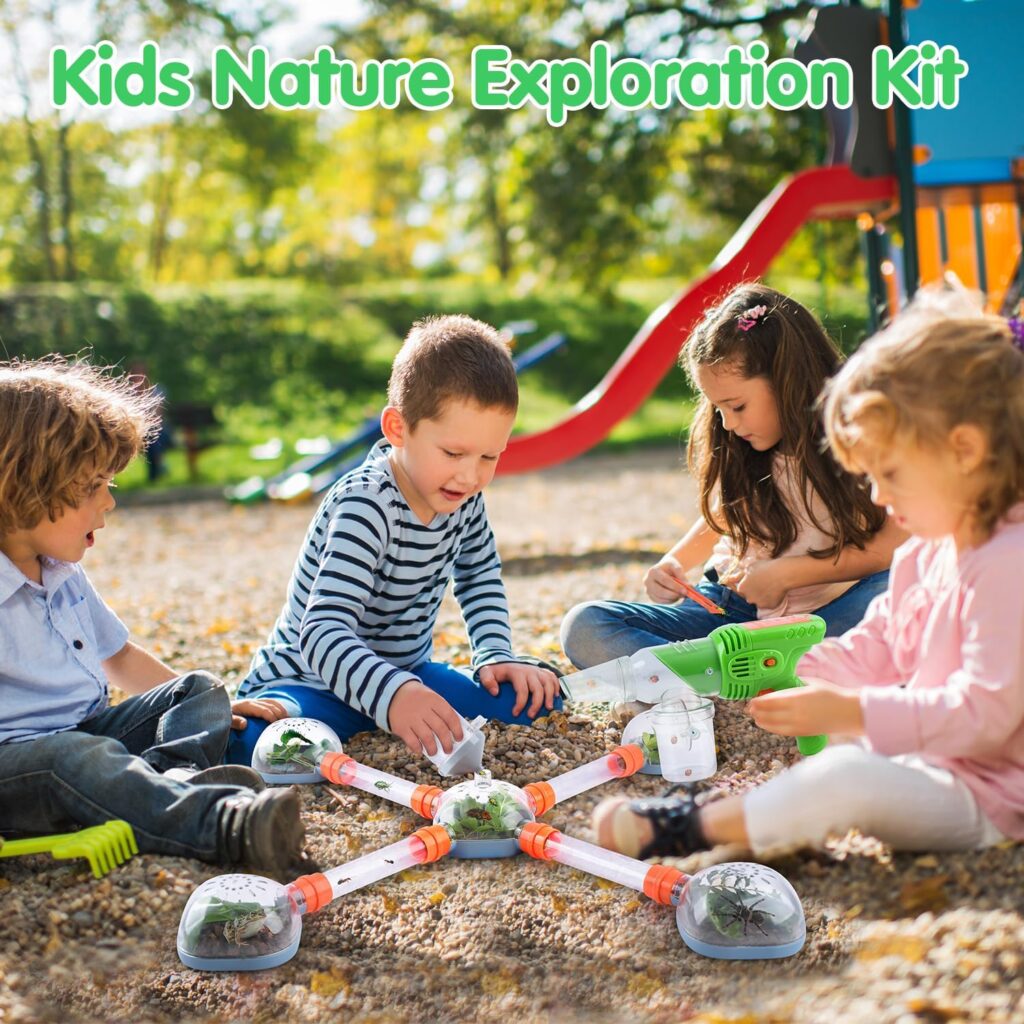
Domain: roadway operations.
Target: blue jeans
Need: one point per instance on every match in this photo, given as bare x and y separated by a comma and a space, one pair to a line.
459, 688
600, 631
109, 767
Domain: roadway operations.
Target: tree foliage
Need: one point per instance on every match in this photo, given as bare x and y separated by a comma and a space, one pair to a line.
340, 197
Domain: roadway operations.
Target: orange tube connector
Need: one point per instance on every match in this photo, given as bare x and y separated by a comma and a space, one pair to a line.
435, 841
541, 795
424, 800
533, 838
660, 882
337, 768
316, 891
632, 758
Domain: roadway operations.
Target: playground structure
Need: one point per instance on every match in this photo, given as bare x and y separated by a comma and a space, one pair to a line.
950, 181
236, 922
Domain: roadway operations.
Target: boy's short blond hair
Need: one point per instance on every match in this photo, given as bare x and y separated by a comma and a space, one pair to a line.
447, 358
935, 367
61, 423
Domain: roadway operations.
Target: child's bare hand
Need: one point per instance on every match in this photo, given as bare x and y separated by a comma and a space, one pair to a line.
764, 584
538, 685
422, 719
258, 707
809, 711
662, 581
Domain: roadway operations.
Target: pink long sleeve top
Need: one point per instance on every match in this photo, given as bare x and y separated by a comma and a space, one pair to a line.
939, 661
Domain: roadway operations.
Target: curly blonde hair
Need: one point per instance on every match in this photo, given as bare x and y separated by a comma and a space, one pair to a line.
62, 422
937, 366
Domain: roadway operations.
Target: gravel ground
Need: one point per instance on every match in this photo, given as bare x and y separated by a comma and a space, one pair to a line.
891, 938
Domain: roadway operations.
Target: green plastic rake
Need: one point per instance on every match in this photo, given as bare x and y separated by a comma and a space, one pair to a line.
103, 846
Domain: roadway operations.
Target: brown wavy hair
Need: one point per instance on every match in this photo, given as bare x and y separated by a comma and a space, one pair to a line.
62, 422
789, 348
934, 368
447, 358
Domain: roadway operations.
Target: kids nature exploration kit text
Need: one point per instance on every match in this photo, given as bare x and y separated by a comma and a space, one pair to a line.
921, 76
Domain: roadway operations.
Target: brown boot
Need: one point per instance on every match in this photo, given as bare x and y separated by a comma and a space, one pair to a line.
219, 775
264, 832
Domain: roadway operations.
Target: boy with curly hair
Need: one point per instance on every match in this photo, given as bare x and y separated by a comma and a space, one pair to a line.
68, 758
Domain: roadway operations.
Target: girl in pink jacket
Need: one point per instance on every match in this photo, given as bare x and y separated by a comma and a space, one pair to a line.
925, 697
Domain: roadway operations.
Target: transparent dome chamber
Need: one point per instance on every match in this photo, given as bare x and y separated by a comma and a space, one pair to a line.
741, 911
239, 923
290, 750
482, 816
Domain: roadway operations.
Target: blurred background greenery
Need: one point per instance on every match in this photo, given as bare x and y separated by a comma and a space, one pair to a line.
268, 263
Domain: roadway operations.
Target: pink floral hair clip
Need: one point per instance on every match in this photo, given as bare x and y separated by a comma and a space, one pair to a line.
1016, 325
749, 317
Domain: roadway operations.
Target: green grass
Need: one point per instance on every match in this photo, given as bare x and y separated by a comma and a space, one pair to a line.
285, 360
659, 421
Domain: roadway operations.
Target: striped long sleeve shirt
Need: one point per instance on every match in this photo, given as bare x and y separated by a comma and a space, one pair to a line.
366, 589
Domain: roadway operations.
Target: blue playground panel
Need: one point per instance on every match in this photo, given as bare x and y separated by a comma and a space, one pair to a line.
977, 140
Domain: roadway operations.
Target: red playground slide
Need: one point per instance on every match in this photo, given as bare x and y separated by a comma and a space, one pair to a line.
822, 193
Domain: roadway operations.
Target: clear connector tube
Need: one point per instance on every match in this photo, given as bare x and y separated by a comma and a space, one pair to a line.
646, 677
662, 883
311, 892
622, 761
610, 681
345, 771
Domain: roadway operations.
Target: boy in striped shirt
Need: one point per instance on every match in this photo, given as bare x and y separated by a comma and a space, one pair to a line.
352, 645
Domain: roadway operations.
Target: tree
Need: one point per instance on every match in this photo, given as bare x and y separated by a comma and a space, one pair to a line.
582, 199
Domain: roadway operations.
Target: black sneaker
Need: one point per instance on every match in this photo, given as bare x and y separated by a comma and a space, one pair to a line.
676, 824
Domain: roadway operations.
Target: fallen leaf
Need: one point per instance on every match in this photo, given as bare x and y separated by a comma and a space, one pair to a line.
412, 875
220, 626
449, 639
329, 983
925, 1007
906, 947
925, 894
643, 986
499, 983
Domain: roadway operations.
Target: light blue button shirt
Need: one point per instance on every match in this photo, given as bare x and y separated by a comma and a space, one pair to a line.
53, 638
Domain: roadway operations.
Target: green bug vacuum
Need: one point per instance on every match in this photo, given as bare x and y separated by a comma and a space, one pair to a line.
735, 662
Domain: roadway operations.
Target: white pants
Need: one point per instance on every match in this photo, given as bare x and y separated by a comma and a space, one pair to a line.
904, 801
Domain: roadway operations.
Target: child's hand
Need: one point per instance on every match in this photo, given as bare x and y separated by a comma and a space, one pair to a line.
259, 707
809, 711
662, 581
421, 719
764, 584
539, 685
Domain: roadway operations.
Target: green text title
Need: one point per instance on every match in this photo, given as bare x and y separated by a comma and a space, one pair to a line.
923, 76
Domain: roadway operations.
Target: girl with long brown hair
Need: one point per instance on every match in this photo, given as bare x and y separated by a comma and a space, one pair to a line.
783, 528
